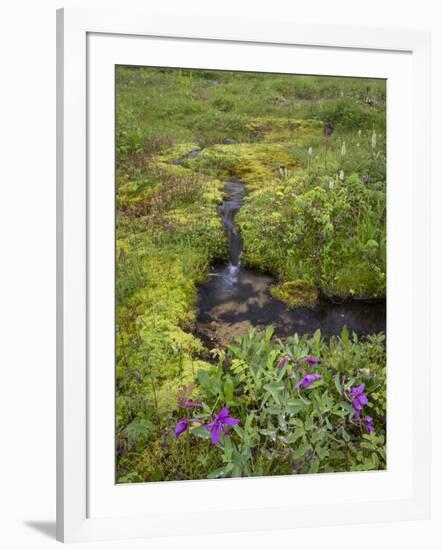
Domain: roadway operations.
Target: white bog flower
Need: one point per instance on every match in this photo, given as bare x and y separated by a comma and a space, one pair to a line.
359, 132
310, 151
343, 149
341, 175
331, 185
373, 140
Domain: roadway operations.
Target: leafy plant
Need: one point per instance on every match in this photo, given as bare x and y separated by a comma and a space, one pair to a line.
294, 412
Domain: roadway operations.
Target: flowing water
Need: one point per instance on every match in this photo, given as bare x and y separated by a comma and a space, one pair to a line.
234, 298
235, 192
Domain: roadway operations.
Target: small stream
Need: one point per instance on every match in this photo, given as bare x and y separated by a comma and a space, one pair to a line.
234, 298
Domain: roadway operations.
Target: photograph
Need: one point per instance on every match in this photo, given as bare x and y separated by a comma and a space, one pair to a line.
250, 274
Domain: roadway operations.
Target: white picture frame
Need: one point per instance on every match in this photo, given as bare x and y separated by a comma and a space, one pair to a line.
89, 42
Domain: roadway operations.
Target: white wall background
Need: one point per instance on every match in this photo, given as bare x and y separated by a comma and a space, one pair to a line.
27, 270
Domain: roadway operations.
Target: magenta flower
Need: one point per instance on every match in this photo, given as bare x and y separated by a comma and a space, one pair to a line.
310, 360
284, 361
182, 426
308, 380
220, 424
358, 399
192, 404
368, 422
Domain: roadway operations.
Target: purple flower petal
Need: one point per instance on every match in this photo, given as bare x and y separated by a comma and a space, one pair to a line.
368, 421
220, 424
215, 434
310, 360
357, 390
182, 426
223, 413
363, 399
308, 380
231, 421
284, 361
192, 404
358, 400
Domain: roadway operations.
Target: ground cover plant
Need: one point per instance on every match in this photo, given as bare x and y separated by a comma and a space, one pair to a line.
310, 152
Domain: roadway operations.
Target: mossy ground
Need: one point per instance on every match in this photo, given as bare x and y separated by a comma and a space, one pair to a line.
296, 294
314, 212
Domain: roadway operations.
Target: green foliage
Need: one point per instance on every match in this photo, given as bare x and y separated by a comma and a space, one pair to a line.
314, 215
331, 234
288, 430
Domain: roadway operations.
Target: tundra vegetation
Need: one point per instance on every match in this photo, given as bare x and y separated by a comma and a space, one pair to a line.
311, 153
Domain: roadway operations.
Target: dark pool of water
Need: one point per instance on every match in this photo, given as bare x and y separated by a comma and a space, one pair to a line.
234, 298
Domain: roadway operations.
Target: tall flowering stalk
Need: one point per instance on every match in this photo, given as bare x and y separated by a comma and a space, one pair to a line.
310, 156
358, 402
343, 149
373, 139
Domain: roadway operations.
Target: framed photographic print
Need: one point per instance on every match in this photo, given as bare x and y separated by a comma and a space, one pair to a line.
243, 297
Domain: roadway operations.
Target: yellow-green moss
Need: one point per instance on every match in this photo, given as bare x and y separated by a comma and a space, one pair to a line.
255, 163
296, 293
177, 151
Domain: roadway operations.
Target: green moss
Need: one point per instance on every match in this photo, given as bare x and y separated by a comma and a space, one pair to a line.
296, 294
177, 152
165, 459
254, 163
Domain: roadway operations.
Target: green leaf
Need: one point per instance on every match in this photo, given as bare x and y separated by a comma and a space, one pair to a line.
271, 358
228, 449
322, 452
201, 432
274, 390
299, 432
269, 333
316, 384
294, 406
314, 467
228, 389
236, 472
249, 420
203, 378
338, 385
269, 433
301, 451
